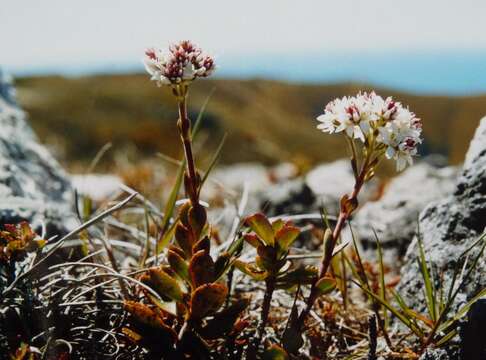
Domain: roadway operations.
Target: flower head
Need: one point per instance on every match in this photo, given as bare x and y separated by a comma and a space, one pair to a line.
183, 63
384, 126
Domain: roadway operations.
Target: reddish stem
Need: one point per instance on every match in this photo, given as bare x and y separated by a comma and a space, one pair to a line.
344, 215
184, 125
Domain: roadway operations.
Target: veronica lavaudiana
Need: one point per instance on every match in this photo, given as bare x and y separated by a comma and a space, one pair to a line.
182, 63
382, 125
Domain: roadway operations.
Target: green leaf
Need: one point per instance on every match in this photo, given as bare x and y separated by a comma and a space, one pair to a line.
382, 279
178, 264
394, 311
429, 288
275, 352
262, 227
446, 338
214, 160
325, 285
169, 209
165, 284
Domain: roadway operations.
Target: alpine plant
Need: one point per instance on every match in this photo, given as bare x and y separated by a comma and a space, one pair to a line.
383, 126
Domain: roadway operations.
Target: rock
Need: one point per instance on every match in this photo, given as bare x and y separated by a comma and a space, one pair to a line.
435, 354
473, 346
322, 186
99, 187
33, 186
449, 227
394, 216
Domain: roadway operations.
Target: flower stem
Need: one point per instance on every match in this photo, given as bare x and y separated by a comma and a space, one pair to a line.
344, 215
184, 125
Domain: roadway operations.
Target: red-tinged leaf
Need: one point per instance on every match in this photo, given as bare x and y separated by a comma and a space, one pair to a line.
277, 225
197, 218
184, 238
145, 315
251, 270
286, 236
207, 299
253, 240
201, 268
262, 227
203, 244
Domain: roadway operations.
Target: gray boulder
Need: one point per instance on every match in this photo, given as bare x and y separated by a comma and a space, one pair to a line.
322, 186
33, 186
450, 226
394, 216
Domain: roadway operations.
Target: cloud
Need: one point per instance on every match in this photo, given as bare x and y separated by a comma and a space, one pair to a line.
59, 32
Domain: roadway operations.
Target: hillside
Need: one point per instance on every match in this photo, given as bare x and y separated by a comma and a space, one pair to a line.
267, 121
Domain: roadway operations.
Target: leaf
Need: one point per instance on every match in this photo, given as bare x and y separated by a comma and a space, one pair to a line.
382, 279
325, 285
277, 225
292, 339
262, 227
165, 238
169, 207
267, 258
394, 311
253, 240
201, 268
251, 270
286, 236
429, 289
207, 299
184, 238
214, 159
446, 338
275, 352
221, 265
197, 219
145, 315
203, 244
224, 320
178, 264
339, 248
165, 285
301, 275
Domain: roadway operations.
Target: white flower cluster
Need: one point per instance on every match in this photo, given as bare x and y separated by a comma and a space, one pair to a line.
183, 62
380, 123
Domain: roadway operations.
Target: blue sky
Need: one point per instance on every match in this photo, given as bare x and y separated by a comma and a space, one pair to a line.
285, 36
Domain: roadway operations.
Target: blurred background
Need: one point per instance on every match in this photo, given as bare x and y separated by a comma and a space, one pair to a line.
79, 73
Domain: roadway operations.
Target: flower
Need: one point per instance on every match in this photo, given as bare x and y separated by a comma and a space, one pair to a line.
384, 126
183, 63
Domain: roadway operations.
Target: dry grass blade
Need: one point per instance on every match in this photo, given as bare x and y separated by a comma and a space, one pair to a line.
60, 242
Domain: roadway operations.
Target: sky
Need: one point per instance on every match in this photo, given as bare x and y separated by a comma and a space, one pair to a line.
69, 35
